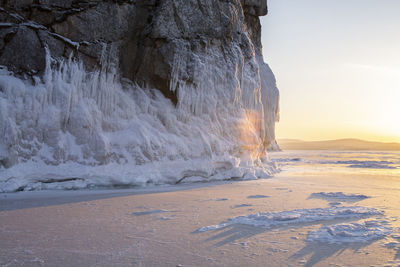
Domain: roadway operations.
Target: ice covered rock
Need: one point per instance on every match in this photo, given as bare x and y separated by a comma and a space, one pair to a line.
117, 92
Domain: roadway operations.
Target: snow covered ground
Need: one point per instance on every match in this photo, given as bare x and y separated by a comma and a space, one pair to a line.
286, 220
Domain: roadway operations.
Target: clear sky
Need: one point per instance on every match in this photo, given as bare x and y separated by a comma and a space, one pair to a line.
337, 64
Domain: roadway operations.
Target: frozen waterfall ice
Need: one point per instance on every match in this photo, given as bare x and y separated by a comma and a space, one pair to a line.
77, 129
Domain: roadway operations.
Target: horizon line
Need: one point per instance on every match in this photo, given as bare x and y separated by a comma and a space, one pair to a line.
338, 139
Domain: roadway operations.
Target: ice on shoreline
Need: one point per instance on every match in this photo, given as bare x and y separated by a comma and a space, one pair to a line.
275, 219
76, 129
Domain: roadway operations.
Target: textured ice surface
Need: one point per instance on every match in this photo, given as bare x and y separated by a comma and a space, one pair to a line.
339, 195
351, 232
76, 129
274, 219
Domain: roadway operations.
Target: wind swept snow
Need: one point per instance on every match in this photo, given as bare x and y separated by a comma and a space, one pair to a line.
275, 219
339, 195
351, 232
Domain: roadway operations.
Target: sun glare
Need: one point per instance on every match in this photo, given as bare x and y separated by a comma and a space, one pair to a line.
249, 129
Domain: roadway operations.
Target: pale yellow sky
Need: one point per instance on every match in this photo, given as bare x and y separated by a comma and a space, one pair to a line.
337, 65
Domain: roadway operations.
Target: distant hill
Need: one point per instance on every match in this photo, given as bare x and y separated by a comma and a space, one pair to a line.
340, 144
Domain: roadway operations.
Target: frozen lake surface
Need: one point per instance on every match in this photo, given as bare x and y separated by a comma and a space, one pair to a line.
320, 210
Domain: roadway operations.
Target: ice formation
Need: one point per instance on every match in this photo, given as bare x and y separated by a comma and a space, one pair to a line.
156, 92
78, 129
351, 232
276, 219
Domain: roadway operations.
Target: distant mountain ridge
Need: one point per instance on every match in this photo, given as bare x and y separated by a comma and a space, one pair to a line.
339, 144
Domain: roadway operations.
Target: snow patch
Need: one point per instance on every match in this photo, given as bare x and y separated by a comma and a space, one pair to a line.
287, 160
275, 219
148, 212
369, 164
336, 203
339, 195
241, 206
351, 232
372, 166
257, 196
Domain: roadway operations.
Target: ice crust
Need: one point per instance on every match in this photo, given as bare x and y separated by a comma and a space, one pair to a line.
351, 232
276, 219
77, 129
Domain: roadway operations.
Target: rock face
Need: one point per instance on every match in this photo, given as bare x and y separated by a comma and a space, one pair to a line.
204, 56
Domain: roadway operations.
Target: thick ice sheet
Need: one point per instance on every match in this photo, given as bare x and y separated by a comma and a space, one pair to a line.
100, 228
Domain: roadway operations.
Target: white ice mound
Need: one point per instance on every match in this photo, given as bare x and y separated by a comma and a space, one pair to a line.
276, 219
77, 129
351, 232
339, 195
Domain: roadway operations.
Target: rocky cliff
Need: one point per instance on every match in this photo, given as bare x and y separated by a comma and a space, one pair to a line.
129, 92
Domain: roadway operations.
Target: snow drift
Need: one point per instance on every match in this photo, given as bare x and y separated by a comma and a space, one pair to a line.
351, 232
293, 217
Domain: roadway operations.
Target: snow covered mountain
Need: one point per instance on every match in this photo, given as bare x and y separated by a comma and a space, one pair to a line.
99, 93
